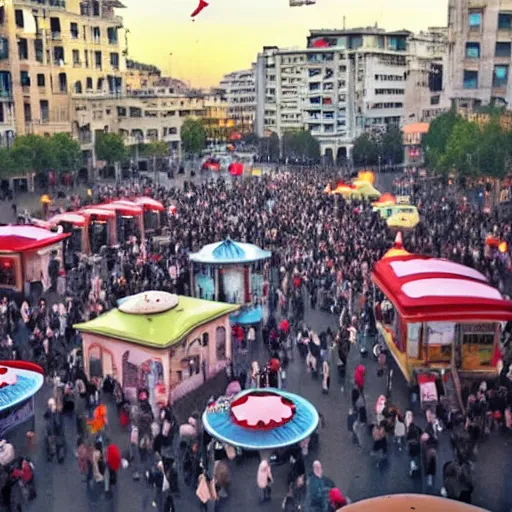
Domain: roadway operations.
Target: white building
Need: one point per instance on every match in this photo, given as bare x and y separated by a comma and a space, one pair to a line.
345, 82
280, 90
241, 97
427, 79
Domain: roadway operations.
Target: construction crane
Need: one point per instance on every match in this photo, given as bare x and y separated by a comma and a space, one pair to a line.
300, 3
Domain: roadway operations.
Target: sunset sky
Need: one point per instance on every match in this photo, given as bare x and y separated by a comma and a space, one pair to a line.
228, 34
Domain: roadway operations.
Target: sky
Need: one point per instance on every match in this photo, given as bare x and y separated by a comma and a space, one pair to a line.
228, 34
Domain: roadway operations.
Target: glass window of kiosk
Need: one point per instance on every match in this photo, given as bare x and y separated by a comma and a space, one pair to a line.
98, 235
440, 339
150, 220
392, 322
477, 345
131, 228
7, 272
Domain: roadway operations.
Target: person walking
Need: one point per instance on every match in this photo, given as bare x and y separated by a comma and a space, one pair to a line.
264, 480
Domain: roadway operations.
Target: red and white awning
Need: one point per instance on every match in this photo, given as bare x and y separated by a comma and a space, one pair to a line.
98, 212
71, 217
128, 208
430, 289
148, 203
27, 238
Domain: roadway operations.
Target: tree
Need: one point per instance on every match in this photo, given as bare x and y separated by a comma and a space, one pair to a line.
493, 150
154, 150
366, 150
193, 136
66, 152
7, 164
301, 145
435, 140
462, 149
110, 148
391, 145
33, 153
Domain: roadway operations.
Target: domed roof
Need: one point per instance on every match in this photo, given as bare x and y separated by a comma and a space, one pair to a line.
228, 251
148, 303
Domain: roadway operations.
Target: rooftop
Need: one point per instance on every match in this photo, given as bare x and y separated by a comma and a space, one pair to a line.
158, 330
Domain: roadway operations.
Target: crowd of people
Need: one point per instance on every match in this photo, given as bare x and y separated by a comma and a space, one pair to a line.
323, 249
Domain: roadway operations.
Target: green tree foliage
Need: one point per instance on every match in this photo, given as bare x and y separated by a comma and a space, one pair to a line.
66, 152
454, 144
193, 136
391, 146
300, 144
33, 153
7, 165
110, 148
434, 142
269, 147
370, 149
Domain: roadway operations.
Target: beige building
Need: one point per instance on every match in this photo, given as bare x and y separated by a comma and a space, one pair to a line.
480, 39
54, 49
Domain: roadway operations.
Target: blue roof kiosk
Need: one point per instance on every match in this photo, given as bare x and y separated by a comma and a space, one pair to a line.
232, 272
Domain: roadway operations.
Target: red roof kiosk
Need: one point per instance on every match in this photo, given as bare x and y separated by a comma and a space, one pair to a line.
439, 315
25, 254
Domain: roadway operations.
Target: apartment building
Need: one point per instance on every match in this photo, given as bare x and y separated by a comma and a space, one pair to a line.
345, 82
140, 76
480, 38
427, 76
280, 90
240, 92
52, 50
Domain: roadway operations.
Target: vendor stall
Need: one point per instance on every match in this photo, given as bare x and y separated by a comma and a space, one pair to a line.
129, 219
167, 344
438, 314
152, 212
261, 419
231, 272
19, 382
77, 226
25, 253
101, 227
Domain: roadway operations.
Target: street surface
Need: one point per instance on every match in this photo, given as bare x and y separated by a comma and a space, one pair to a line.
60, 487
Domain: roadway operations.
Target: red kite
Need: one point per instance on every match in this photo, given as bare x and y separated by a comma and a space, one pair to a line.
199, 8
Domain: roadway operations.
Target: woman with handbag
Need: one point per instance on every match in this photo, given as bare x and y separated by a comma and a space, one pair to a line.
205, 491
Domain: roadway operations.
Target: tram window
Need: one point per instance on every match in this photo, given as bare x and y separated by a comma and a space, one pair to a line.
7, 272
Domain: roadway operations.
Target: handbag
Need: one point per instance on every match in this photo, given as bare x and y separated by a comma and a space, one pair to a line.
203, 490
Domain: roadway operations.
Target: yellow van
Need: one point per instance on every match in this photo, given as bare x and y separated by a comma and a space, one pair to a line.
402, 216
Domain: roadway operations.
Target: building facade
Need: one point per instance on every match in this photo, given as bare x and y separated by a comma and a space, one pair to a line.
480, 39
427, 76
54, 49
240, 93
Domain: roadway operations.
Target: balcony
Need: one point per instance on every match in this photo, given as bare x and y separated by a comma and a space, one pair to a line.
56, 36
85, 138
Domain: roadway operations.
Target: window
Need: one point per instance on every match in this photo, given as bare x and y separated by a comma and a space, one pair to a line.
41, 80
121, 111
502, 50
88, 83
112, 35
63, 82
45, 113
504, 21
475, 19
76, 58
55, 28
473, 50
470, 79
38, 50
96, 34
500, 76
434, 100
18, 16
22, 49
78, 87
4, 48
73, 29
25, 79
97, 59
27, 112
86, 55
7, 271
220, 343
114, 60
99, 84
58, 55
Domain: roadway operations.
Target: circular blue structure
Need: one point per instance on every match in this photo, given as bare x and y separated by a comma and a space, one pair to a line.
229, 252
220, 424
28, 383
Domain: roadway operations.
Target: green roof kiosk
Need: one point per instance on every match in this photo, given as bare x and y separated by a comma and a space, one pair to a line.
166, 344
